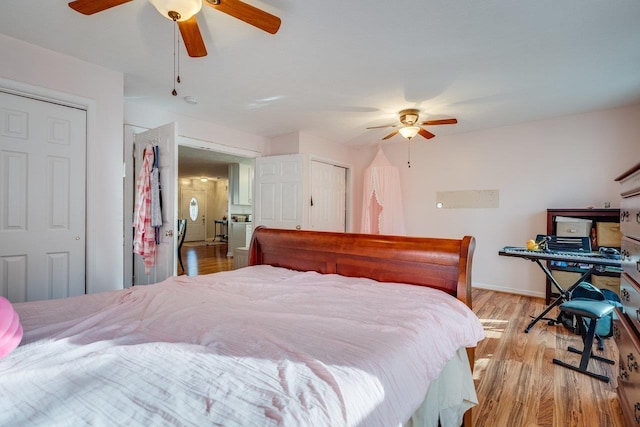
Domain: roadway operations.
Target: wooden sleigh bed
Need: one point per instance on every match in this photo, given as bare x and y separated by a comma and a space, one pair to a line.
443, 264
333, 348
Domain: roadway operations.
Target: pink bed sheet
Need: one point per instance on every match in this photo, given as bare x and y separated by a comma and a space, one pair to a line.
259, 346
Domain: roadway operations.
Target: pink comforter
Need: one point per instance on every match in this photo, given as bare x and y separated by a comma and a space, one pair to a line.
259, 346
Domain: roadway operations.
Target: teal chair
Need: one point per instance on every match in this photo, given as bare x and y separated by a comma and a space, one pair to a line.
594, 311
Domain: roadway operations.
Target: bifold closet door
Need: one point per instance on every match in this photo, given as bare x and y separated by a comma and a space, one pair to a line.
42, 199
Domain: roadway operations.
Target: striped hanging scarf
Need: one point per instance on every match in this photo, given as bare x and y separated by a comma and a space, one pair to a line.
144, 242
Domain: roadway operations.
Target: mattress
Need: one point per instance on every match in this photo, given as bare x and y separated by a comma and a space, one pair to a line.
261, 345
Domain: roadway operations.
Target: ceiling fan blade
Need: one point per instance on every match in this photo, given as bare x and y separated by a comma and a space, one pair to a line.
247, 13
440, 122
425, 133
384, 126
192, 38
391, 134
89, 7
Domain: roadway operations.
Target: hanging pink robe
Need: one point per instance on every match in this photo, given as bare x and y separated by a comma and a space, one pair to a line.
382, 211
144, 242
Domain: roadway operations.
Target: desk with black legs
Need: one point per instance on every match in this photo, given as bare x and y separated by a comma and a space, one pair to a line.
592, 259
224, 232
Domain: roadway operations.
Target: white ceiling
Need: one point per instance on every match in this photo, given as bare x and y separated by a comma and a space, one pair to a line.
337, 67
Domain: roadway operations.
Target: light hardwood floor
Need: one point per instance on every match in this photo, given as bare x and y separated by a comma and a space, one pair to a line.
517, 384
205, 259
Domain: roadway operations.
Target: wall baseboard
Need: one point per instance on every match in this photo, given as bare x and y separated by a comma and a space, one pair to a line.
509, 290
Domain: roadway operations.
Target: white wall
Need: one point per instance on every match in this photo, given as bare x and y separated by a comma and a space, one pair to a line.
217, 203
567, 162
288, 143
211, 135
31, 69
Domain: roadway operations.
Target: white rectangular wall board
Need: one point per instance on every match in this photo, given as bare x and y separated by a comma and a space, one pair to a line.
467, 199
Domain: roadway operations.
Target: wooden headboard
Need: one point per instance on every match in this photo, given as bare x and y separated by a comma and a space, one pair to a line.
443, 264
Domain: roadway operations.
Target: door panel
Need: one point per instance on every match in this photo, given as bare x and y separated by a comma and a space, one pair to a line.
328, 196
279, 191
42, 191
165, 259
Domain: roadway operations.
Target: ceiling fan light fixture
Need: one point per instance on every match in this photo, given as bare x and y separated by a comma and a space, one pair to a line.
409, 131
185, 9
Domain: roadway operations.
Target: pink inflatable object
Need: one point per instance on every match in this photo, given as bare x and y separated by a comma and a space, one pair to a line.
10, 328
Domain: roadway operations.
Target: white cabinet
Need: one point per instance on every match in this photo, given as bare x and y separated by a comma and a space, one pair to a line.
249, 233
241, 253
239, 235
240, 258
242, 181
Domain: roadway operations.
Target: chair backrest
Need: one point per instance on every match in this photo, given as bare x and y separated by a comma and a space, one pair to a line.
182, 231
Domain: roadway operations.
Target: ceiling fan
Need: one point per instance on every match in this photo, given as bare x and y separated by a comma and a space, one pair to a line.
409, 126
183, 12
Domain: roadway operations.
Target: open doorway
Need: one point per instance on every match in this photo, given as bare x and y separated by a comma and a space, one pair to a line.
203, 192
211, 153
206, 202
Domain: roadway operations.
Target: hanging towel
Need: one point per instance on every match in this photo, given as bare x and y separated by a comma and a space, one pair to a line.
144, 242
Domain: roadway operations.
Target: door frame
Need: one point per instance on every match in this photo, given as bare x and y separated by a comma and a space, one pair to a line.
129, 183
222, 149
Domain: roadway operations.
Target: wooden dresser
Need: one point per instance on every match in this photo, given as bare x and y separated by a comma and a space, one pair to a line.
627, 326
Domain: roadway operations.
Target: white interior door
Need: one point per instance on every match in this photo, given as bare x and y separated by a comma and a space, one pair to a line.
42, 199
165, 259
193, 208
328, 197
279, 192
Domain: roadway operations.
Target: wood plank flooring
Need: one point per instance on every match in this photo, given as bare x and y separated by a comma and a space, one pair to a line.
205, 259
517, 383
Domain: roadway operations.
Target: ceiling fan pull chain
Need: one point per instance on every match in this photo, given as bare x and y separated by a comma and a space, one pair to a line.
174, 92
178, 54
409, 155
176, 58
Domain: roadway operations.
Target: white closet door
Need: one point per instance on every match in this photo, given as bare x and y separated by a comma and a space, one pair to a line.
328, 197
42, 199
279, 192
